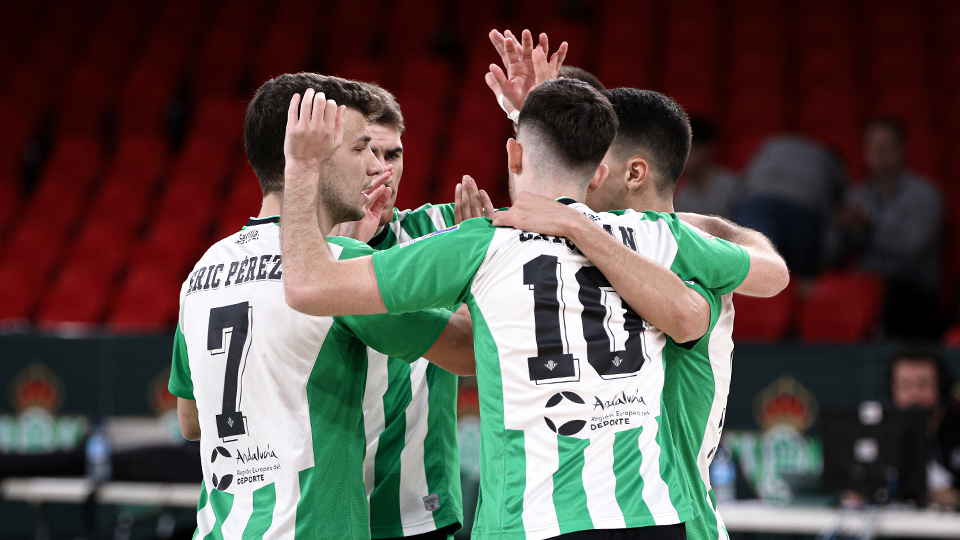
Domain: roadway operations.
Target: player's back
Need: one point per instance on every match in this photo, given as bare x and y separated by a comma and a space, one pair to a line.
570, 379
273, 425
580, 376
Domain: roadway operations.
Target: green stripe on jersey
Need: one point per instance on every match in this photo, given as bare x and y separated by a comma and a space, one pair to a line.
626, 468
568, 492
221, 502
201, 504
391, 500
441, 453
385, 519
264, 501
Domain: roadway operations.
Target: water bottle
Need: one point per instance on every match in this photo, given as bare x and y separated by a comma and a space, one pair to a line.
98, 455
723, 476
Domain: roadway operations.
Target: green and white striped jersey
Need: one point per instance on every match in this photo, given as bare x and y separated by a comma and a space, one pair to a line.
695, 396
570, 379
279, 393
412, 466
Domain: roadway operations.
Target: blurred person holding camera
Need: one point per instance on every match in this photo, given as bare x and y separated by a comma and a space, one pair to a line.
920, 379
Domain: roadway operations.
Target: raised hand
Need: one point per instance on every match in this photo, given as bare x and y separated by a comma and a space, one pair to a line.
376, 197
470, 201
314, 130
522, 73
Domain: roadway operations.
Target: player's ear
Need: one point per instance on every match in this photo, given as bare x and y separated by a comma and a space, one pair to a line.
638, 171
514, 156
598, 177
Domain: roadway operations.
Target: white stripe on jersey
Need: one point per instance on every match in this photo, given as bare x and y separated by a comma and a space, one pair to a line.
284, 525
396, 227
436, 216
413, 474
374, 417
656, 493
720, 350
601, 486
543, 460
205, 519
239, 515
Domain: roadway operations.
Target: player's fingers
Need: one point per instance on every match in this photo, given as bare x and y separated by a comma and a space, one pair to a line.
327, 115
379, 199
339, 125
379, 180
488, 209
319, 109
292, 111
544, 43
512, 50
541, 68
492, 84
527, 42
306, 106
471, 198
499, 76
498, 43
561, 54
458, 204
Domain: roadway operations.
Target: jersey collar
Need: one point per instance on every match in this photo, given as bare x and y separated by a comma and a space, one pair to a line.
579, 206
253, 222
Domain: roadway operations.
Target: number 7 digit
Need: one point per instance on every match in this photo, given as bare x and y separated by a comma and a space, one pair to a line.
234, 320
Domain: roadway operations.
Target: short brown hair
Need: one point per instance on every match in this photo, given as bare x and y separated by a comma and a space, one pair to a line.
580, 74
264, 129
391, 114
575, 121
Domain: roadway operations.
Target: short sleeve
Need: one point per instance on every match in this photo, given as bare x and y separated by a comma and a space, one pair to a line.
181, 385
714, 301
407, 336
716, 264
435, 270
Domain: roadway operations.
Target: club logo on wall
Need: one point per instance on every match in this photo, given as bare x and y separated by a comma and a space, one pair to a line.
785, 402
36, 386
36, 393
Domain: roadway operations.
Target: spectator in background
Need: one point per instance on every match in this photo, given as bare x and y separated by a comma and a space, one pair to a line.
792, 186
706, 188
920, 379
893, 222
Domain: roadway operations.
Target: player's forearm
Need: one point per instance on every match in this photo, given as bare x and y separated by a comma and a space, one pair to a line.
453, 350
189, 419
654, 292
768, 273
313, 282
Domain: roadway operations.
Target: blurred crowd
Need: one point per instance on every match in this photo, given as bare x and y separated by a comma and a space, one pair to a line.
796, 190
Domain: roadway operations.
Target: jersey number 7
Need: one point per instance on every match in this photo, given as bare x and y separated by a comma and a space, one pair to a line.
233, 320
552, 365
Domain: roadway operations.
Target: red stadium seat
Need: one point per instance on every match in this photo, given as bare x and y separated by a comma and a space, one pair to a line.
79, 295
764, 319
18, 290
842, 308
148, 301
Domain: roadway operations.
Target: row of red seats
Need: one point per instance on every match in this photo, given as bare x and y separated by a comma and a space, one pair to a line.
841, 308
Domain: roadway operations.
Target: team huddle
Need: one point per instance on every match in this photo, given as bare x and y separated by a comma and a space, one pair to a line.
318, 350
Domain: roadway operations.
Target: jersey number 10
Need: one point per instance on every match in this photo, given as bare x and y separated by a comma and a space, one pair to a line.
234, 320
552, 365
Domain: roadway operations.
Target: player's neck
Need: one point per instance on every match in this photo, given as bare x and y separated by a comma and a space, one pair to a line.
558, 190
271, 206
648, 201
